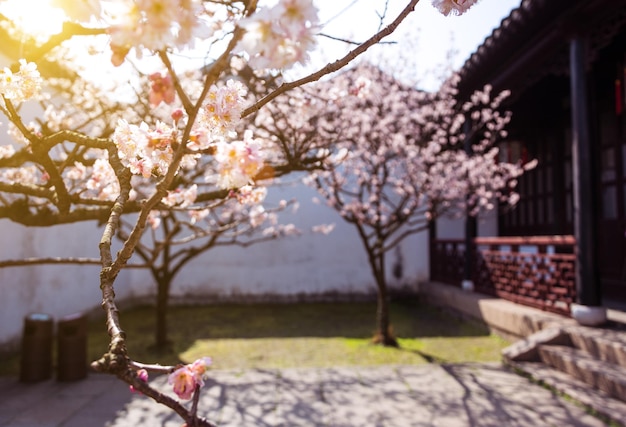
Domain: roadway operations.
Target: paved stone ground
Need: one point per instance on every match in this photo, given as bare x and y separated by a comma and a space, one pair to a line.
475, 395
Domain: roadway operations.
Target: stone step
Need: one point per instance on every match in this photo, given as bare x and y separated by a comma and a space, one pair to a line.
613, 411
527, 349
606, 344
602, 375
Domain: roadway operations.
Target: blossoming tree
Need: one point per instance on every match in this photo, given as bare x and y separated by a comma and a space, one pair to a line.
177, 236
93, 169
399, 158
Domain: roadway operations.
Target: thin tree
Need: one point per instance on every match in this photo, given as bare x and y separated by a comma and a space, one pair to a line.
398, 160
179, 235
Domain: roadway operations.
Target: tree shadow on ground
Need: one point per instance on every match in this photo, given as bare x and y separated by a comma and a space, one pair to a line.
472, 395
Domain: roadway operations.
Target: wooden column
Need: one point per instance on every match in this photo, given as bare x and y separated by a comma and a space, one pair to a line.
470, 223
470, 234
587, 277
432, 249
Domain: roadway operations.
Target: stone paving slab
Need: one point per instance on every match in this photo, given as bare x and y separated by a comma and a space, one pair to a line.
476, 395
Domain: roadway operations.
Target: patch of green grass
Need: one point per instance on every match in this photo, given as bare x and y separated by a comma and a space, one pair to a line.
296, 335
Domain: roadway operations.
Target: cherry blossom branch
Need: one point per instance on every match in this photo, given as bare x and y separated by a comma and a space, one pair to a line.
337, 65
19, 212
116, 359
58, 260
187, 104
27, 189
152, 367
352, 42
400, 237
70, 29
130, 377
62, 202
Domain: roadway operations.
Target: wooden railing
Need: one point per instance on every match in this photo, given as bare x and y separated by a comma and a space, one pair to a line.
447, 257
537, 271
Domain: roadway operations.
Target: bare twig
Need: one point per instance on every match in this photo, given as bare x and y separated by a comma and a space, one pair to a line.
352, 42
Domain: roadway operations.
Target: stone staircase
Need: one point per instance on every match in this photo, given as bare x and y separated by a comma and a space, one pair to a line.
587, 364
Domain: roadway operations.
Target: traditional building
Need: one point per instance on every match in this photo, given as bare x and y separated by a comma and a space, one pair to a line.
564, 244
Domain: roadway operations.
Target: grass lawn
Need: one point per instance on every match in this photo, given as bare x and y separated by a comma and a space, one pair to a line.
296, 335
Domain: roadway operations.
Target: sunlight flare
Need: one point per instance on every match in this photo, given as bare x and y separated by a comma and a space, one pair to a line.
37, 18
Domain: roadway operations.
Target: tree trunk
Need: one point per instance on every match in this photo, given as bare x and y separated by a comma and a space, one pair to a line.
384, 335
163, 294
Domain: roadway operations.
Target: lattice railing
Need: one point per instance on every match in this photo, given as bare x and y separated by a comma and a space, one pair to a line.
447, 257
535, 271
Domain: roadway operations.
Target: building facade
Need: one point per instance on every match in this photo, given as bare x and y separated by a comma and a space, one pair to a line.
564, 243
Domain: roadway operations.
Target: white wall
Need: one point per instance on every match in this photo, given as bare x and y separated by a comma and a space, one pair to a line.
58, 290
306, 266
454, 228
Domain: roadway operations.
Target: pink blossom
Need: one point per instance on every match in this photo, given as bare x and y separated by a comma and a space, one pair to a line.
238, 161
196, 215
199, 368
102, 182
161, 89
394, 156
23, 85
154, 219
6, 151
182, 197
222, 109
183, 381
154, 25
249, 195
177, 115
323, 228
456, 7
142, 375
143, 150
257, 216
280, 36
187, 378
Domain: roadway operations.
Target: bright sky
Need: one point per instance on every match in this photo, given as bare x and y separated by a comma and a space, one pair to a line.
427, 37
426, 40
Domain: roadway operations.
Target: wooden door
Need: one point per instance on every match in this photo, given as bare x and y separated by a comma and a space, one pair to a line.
611, 200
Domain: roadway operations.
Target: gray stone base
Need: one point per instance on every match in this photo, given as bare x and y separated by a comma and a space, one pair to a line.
589, 315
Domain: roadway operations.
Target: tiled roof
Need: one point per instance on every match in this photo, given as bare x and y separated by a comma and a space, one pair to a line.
534, 33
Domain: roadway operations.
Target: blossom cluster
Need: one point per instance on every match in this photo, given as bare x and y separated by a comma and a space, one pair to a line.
186, 379
154, 25
147, 151
22, 85
161, 89
181, 197
396, 155
456, 7
220, 113
143, 150
238, 161
275, 37
280, 36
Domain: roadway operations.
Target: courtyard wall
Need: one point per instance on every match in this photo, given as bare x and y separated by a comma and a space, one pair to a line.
310, 266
